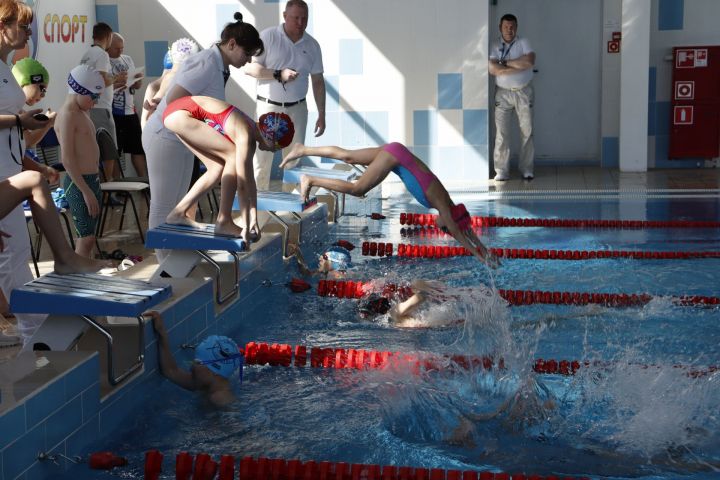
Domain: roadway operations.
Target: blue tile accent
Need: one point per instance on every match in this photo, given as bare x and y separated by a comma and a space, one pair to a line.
351, 56
662, 150
662, 118
449, 90
63, 422
476, 165
107, 14
224, 15
652, 84
652, 118
475, 126
447, 163
41, 405
671, 14
91, 398
332, 93
610, 152
377, 127
352, 129
81, 377
155, 51
12, 425
23, 452
425, 127
197, 323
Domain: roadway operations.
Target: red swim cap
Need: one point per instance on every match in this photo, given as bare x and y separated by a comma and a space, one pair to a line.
277, 128
461, 216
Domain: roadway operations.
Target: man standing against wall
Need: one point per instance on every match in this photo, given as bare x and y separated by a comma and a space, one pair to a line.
282, 71
101, 114
127, 122
511, 62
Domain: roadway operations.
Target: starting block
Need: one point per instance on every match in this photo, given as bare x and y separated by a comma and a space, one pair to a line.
273, 202
292, 176
188, 245
76, 299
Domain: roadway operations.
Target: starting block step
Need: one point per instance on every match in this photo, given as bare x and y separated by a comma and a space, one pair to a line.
192, 238
87, 294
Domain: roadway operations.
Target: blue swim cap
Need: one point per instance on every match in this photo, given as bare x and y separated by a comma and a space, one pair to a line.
167, 61
220, 354
339, 257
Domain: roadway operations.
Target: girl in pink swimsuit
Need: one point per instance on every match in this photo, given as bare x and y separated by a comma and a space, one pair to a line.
417, 177
224, 139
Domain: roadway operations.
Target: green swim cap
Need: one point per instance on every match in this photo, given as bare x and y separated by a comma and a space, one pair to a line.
29, 71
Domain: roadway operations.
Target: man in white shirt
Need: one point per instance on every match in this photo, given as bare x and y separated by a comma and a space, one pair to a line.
291, 56
127, 122
511, 62
101, 114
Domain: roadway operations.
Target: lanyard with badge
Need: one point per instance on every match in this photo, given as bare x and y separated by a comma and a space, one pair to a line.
504, 53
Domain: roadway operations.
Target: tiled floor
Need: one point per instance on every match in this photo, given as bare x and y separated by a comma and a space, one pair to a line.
548, 178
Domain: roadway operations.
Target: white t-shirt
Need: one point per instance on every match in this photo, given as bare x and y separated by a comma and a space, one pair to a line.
305, 57
12, 100
510, 51
123, 102
200, 74
98, 58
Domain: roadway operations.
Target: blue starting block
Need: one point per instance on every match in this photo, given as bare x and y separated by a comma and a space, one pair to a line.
76, 298
188, 245
292, 175
273, 202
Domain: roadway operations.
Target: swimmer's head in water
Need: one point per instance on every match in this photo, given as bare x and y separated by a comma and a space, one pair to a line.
337, 257
85, 80
219, 354
181, 49
29, 71
373, 305
277, 129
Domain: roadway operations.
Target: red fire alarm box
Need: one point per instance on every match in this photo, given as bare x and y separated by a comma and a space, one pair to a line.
695, 112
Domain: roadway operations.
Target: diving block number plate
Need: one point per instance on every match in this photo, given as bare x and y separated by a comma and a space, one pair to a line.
87, 294
185, 237
280, 202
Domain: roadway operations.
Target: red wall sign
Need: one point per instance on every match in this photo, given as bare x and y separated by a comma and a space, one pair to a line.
683, 115
684, 90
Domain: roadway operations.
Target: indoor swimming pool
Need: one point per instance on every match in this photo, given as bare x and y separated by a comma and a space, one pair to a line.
644, 406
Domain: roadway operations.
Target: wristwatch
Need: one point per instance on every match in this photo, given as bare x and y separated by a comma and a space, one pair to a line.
277, 75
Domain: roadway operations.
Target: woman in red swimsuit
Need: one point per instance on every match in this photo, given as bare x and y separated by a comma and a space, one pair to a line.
224, 138
417, 177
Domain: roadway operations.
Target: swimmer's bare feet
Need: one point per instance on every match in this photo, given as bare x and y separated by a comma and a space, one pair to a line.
228, 228
296, 151
305, 186
180, 218
75, 263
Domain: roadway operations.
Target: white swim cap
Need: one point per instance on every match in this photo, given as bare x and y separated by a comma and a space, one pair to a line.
85, 80
182, 48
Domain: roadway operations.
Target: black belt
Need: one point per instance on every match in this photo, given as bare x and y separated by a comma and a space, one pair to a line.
279, 104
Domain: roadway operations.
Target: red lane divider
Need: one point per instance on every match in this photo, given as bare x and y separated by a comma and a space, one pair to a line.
380, 249
358, 289
262, 468
260, 353
477, 221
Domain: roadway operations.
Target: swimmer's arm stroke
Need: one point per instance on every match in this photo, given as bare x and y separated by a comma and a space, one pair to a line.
168, 366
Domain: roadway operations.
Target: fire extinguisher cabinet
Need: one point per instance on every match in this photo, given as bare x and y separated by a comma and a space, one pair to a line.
695, 111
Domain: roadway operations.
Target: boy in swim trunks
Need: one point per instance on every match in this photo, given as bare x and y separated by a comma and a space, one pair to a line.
80, 153
217, 358
417, 177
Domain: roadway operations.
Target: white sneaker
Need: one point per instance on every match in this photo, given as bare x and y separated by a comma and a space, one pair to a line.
501, 177
9, 340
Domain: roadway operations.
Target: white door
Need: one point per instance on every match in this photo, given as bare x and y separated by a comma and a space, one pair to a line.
567, 38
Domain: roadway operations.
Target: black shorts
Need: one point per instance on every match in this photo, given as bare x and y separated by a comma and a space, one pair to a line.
129, 134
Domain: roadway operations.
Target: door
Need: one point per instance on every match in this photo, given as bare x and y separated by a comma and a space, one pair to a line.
567, 37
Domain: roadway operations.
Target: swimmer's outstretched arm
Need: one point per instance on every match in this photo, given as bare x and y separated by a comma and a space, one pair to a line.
168, 366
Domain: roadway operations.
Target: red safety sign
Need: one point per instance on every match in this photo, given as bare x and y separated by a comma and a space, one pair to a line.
683, 115
691, 58
613, 46
685, 90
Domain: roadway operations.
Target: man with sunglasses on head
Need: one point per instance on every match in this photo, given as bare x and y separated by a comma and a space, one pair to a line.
217, 359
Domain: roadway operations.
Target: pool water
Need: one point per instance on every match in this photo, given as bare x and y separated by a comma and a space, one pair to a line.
633, 416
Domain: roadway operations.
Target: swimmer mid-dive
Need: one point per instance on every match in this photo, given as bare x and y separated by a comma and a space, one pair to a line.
217, 358
417, 177
224, 138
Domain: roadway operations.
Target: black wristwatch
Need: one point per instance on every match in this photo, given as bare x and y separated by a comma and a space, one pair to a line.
277, 75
